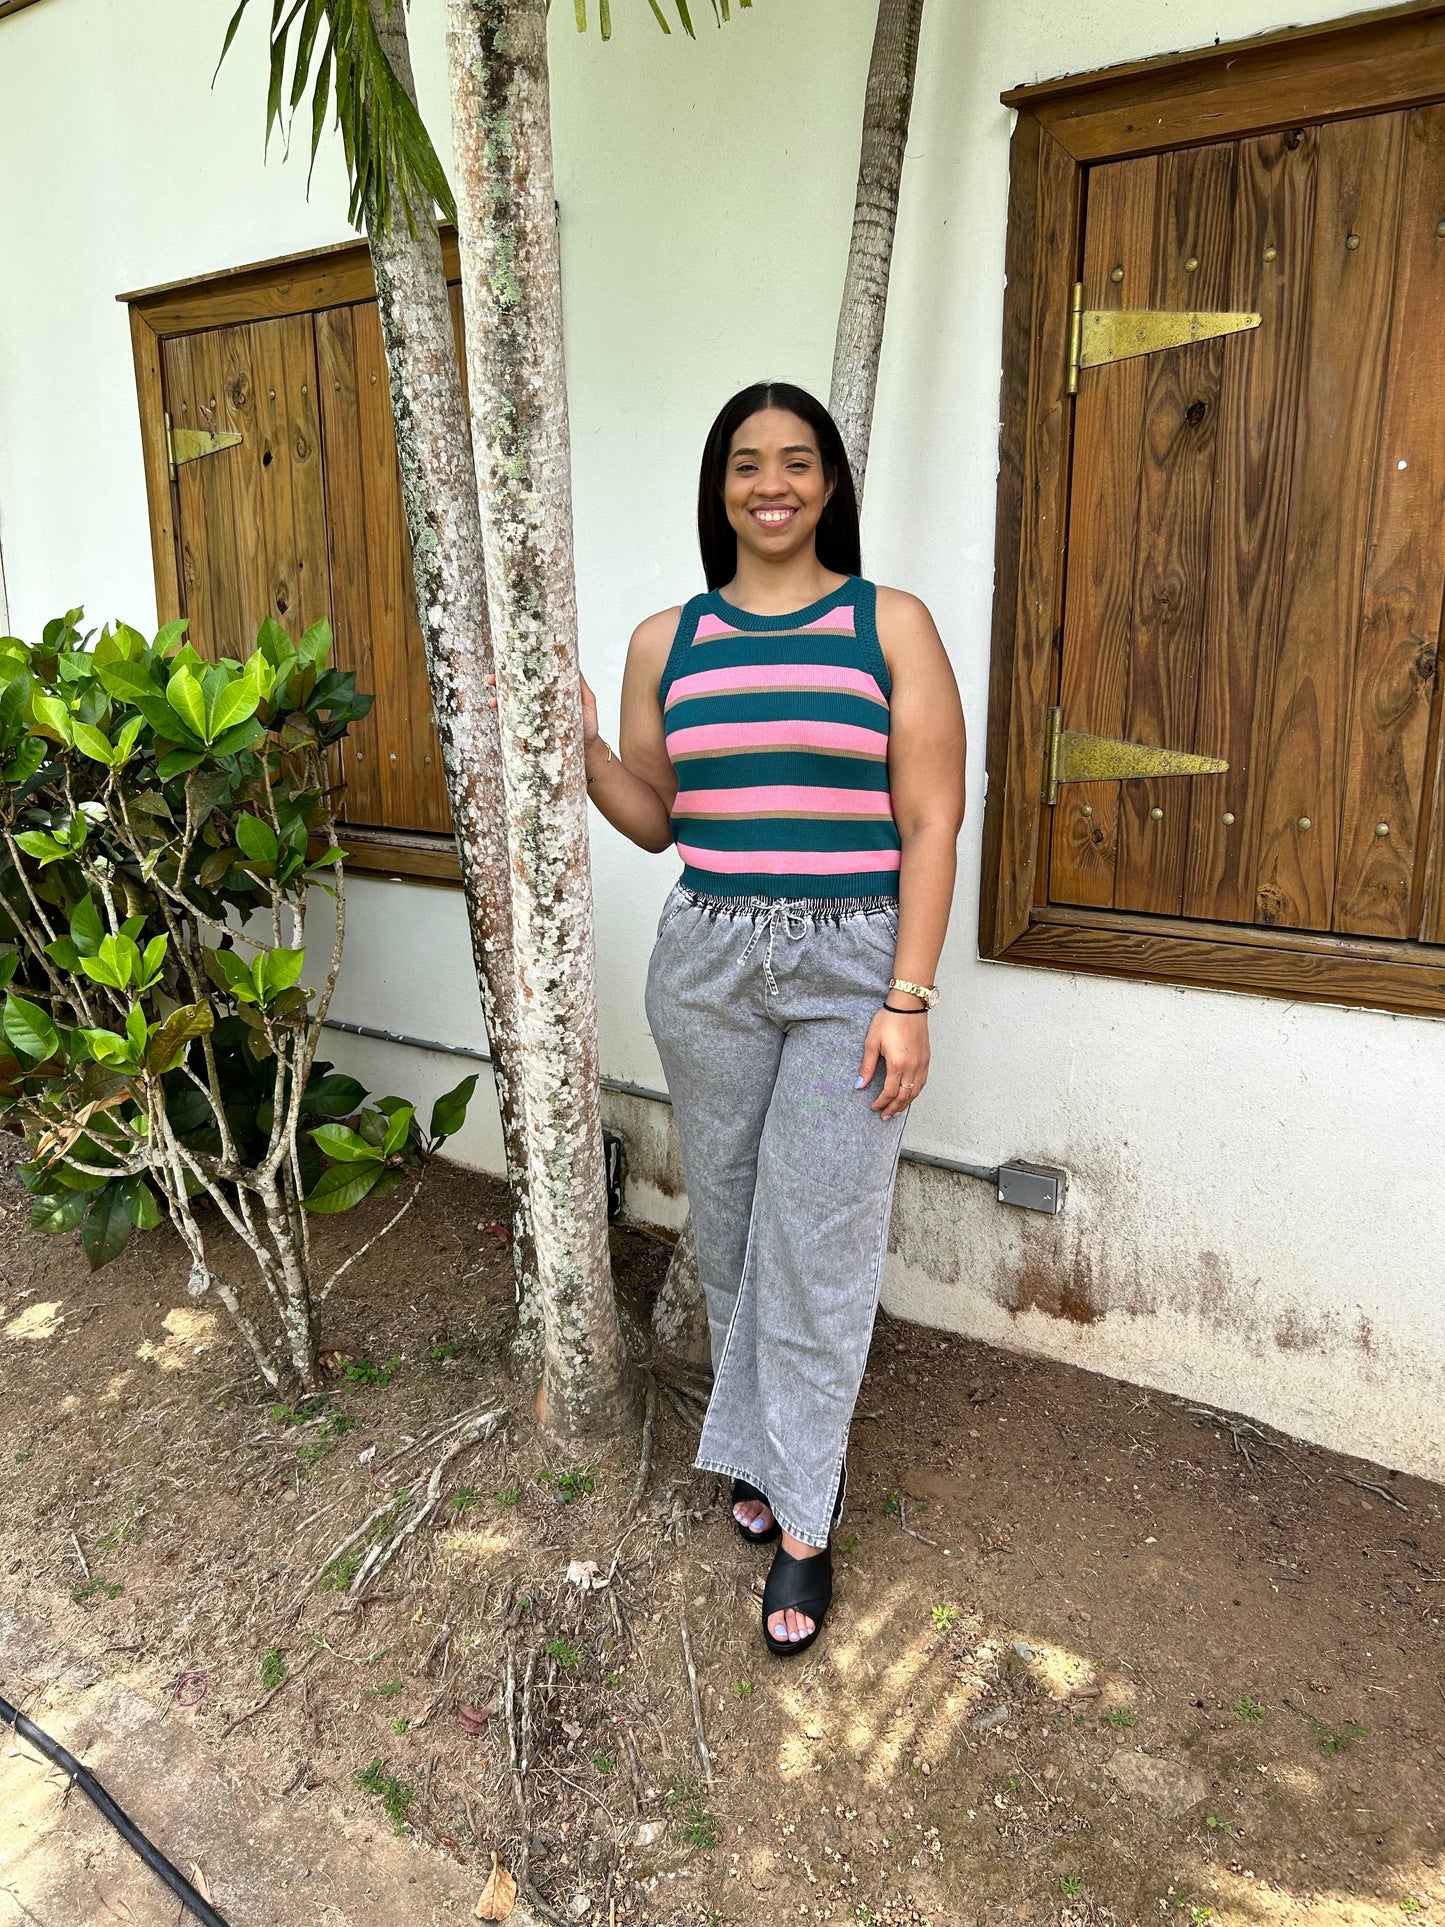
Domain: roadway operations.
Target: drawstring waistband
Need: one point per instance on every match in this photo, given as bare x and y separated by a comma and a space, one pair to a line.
782, 913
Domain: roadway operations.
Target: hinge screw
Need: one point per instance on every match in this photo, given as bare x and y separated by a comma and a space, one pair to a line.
1229, 816
1382, 829
1271, 253
1440, 229
1304, 823
1116, 274
1157, 813
1352, 241
1086, 809
1191, 264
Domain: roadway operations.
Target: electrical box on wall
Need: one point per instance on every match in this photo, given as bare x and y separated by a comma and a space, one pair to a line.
1033, 1187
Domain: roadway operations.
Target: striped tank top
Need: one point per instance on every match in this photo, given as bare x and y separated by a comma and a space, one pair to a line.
777, 727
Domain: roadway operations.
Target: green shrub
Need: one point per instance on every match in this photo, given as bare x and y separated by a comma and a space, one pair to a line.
164, 825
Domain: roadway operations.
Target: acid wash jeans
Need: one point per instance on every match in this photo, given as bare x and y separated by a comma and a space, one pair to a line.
759, 1008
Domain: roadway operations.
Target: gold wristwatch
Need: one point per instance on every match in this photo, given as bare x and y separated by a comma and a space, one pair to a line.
928, 992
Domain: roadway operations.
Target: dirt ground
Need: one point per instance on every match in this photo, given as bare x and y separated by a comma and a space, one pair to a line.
1093, 1657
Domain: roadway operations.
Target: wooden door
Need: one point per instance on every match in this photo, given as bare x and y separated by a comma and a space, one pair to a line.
251, 518
1256, 556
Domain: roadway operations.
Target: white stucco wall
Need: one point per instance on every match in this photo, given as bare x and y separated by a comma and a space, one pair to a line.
1255, 1216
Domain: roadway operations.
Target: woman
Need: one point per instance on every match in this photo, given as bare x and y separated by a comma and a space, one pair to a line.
798, 734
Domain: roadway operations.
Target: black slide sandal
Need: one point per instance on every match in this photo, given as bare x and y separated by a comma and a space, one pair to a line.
800, 1586
742, 1491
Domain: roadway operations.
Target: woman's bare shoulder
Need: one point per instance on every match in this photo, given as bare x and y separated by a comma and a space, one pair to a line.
904, 614
652, 638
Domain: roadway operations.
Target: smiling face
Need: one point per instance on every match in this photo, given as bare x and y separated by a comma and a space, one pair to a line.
775, 489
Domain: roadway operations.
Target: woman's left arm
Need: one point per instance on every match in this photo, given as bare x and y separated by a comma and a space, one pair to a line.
926, 755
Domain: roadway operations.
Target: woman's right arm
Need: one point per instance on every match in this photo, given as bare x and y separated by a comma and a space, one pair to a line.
634, 786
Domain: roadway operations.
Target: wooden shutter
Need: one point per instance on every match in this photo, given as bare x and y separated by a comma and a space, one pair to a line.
1257, 534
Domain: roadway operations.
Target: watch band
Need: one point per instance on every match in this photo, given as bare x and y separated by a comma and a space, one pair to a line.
928, 992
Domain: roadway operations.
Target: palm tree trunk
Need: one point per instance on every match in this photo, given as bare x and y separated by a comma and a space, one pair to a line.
439, 490
859, 342
512, 298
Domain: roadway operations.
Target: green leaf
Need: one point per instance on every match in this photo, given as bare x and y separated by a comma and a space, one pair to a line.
169, 634
116, 964
239, 738
151, 961
256, 839
125, 741
26, 760
333, 1096
64, 952
168, 1045
450, 1110
109, 1048
86, 928
92, 742
236, 703
29, 1029
339, 1142
229, 971
45, 849
128, 681
52, 718
397, 1129
9, 964
108, 1227
183, 693
62, 1212
340, 1186
315, 645
136, 1029
142, 1206
279, 970
176, 762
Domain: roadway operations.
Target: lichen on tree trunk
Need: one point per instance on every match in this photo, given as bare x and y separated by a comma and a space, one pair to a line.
439, 491
859, 341
512, 298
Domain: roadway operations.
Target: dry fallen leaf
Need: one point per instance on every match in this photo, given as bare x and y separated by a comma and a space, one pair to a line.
499, 1896
473, 1718
202, 1885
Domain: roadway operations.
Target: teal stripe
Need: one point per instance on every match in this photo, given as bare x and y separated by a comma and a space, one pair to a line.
782, 705
784, 833
821, 769
856, 883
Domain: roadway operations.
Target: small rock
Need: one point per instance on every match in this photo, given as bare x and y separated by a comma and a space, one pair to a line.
579, 1905
1166, 1784
649, 1832
1023, 1649
998, 1717
365, 1458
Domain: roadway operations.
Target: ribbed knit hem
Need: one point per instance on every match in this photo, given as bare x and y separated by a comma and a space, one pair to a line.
864, 884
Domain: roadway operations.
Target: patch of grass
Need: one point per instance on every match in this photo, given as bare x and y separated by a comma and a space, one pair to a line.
387, 1692
846, 1543
27, 1451
338, 1424
602, 1763
364, 1371
743, 1688
96, 1588
1409, 1905
509, 1495
563, 1651
1216, 1825
890, 1504
311, 1405
125, 1527
464, 1496
1200, 1916
340, 1573
1333, 1743
400, 1725
693, 1824
440, 1353
613, 1679
273, 1668
312, 1454
571, 1484
1071, 1885
944, 1618
1251, 1711
395, 1796
1120, 1718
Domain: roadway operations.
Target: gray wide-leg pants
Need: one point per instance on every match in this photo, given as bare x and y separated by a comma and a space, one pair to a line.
759, 1008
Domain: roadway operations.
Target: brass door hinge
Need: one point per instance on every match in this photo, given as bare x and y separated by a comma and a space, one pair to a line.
1100, 335
190, 444
1071, 756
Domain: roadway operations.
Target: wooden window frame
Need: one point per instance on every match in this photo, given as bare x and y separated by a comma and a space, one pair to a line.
293, 284
1368, 63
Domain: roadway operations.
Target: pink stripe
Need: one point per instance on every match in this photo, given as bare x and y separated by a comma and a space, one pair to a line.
835, 622
712, 626
775, 675
808, 735
782, 796
788, 862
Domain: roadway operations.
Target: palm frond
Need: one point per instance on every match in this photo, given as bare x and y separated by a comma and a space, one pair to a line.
388, 151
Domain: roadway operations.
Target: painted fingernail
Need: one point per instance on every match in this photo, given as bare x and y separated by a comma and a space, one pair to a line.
860, 1083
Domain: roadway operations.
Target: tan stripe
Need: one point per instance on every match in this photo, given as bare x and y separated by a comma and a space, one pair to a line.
773, 635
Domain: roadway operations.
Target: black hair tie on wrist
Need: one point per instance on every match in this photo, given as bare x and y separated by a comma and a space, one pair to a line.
904, 1010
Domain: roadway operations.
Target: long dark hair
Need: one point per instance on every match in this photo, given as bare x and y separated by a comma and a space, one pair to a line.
837, 536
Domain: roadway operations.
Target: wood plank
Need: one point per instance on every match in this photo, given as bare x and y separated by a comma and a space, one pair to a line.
1396, 672
266, 290
358, 768
1409, 978
1036, 417
1194, 225
379, 852
1119, 232
155, 463
208, 522
1357, 200
1258, 409
1375, 62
